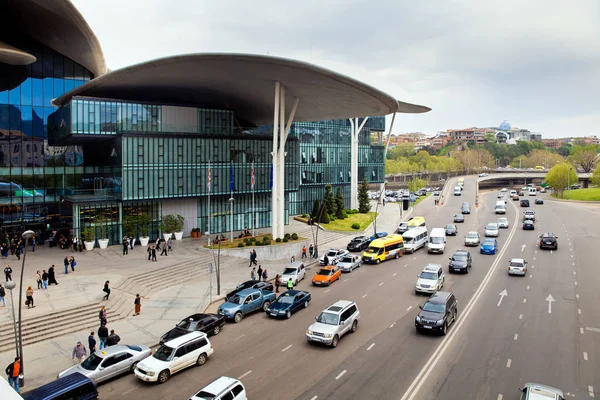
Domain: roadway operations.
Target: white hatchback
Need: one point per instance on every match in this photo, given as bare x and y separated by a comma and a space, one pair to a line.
472, 239
296, 271
503, 222
492, 230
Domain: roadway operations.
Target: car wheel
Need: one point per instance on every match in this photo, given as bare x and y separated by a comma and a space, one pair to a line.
306, 304
454, 317
238, 317
133, 366
335, 341
163, 376
201, 359
444, 329
266, 305
216, 330
377, 261
288, 314
354, 326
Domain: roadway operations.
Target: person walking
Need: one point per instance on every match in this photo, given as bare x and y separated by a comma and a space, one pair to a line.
153, 254
164, 250
255, 257
325, 260
44, 279
2, 294
66, 263
103, 316
311, 250
265, 276
12, 371
38, 279
138, 304
75, 248
290, 284
33, 244
131, 242
251, 259
106, 290
112, 339
259, 272
29, 296
149, 250
253, 274
277, 282
169, 243
293, 259
18, 252
125, 246
303, 252
92, 343
51, 276
72, 263
102, 335
79, 352
8, 273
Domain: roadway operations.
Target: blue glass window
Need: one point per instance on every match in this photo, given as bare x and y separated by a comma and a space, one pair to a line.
38, 91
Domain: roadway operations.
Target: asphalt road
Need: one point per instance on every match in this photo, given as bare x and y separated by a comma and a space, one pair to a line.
387, 359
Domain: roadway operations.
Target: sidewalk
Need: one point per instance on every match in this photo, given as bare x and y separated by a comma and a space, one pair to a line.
183, 289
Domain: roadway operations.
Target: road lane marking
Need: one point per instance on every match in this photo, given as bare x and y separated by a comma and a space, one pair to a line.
327, 291
406, 265
239, 337
581, 330
516, 336
130, 390
346, 280
381, 284
525, 300
575, 283
530, 276
536, 252
587, 328
591, 391
499, 397
287, 348
314, 398
244, 375
533, 266
392, 325
508, 363
577, 295
414, 258
520, 316
574, 273
365, 295
579, 311
585, 356
409, 308
340, 374
527, 287
394, 274
426, 370
371, 346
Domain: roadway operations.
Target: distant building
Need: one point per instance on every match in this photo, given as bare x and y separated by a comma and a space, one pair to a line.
554, 143
476, 135
440, 140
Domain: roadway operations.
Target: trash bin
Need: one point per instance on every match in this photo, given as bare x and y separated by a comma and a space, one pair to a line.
405, 204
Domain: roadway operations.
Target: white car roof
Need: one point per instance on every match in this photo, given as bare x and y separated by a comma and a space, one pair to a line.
517, 260
432, 267
218, 385
185, 338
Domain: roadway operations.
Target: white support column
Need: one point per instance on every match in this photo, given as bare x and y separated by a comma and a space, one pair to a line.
387, 145
355, 130
274, 192
281, 165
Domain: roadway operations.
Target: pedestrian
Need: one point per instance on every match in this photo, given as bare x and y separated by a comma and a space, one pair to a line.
66, 263
2, 294
251, 259
164, 250
8, 273
51, 276
131, 242
290, 284
325, 260
311, 249
106, 290
92, 343
29, 296
18, 252
44, 279
303, 252
102, 315
149, 250
138, 304
259, 272
102, 335
169, 243
265, 276
277, 282
75, 248
125, 246
383, 201
13, 370
79, 352
253, 274
293, 259
112, 339
38, 279
33, 244
153, 254
254, 254
72, 263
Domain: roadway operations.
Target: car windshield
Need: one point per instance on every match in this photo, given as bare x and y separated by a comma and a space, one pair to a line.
346, 260
436, 240
204, 395
374, 250
491, 227
403, 225
324, 272
472, 235
92, 362
488, 243
289, 271
186, 324
236, 299
428, 275
450, 227
459, 257
502, 220
516, 264
332, 254
433, 307
285, 300
328, 318
163, 353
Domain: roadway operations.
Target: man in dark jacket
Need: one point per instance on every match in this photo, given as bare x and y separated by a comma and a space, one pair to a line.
92, 342
12, 371
113, 338
103, 335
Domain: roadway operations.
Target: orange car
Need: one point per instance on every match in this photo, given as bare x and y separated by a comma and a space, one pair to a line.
326, 276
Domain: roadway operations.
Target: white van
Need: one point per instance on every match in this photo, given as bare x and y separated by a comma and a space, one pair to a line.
414, 239
500, 207
437, 241
457, 191
532, 191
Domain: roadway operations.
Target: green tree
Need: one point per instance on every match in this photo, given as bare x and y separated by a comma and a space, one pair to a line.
329, 200
596, 176
402, 150
584, 158
415, 184
339, 202
561, 176
316, 209
364, 204
564, 150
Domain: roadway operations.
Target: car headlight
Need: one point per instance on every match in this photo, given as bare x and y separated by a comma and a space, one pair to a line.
281, 311
440, 322
309, 332
328, 335
150, 373
418, 319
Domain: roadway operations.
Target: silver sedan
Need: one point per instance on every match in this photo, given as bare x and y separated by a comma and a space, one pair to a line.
349, 262
110, 362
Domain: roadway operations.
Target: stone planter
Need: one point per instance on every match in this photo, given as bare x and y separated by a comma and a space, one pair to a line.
167, 236
178, 235
89, 246
144, 241
103, 243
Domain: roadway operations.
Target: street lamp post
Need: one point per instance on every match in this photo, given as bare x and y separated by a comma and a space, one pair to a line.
26, 236
10, 285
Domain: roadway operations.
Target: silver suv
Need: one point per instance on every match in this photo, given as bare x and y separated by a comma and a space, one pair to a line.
336, 320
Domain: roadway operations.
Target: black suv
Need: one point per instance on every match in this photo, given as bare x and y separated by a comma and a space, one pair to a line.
524, 203
460, 261
359, 243
437, 313
549, 241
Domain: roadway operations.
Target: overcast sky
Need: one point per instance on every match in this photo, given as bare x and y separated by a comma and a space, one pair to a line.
534, 63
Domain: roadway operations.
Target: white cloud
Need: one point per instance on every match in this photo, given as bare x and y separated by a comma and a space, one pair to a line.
476, 63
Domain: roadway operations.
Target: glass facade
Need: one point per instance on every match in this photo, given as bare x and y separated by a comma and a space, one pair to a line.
34, 174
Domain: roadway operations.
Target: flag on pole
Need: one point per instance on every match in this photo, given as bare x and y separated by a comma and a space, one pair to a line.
271, 178
208, 182
252, 177
231, 179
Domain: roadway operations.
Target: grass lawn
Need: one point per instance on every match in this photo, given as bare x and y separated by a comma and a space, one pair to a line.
345, 225
235, 244
591, 194
419, 199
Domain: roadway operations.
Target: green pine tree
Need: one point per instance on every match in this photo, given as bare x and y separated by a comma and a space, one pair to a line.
364, 204
339, 202
329, 200
316, 209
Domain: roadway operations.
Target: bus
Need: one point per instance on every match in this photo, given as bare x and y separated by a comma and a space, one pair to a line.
391, 246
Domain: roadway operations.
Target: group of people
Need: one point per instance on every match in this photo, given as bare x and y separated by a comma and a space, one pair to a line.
43, 279
166, 247
14, 245
253, 258
245, 233
260, 274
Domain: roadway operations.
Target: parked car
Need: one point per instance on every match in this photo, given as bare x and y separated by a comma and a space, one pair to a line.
333, 255
326, 276
288, 303
539, 201
109, 362
459, 218
451, 230
460, 261
438, 312
250, 285
207, 323
359, 243
472, 239
402, 227
349, 263
296, 271
335, 321
549, 241
517, 266
378, 235
221, 389
431, 279
489, 246
246, 302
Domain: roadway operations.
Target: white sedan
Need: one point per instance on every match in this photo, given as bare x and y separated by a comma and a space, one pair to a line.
503, 223
349, 262
333, 256
517, 266
472, 239
492, 230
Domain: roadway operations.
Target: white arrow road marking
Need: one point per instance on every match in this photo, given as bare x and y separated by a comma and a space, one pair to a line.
581, 330
502, 294
409, 308
365, 296
314, 398
579, 311
516, 336
520, 316
500, 397
550, 251
591, 391
523, 247
508, 363
287, 348
550, 300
